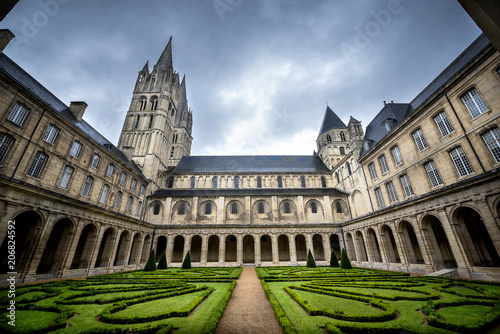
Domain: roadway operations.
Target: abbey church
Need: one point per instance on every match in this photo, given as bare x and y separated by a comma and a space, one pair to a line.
417, 190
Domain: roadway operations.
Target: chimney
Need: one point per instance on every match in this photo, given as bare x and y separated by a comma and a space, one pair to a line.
5, 37
77, 108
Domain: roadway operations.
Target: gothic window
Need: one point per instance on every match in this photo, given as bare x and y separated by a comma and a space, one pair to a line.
236, 182
338, 207
261, 207
208, 209
118, 199
193, 182
443, 123
405, 182
142, 103
373, 172
461, 162
66, 176
287, 207
280, 182
314, 207
342, 150
182, 209
18, 114
6, 142
303, 181
156, 209
214, 182
150, 125
259, 182
380, 198
153, 81
383, 164
137, 122
348, 168
87, 185
37, 165
234, 208
419, 138
323, 182
492, 140
51, 134
392, 192
75, 149
474, 102
433, 174
342, 136
328, 138
398, 159
104, 193
154, 103
111, 169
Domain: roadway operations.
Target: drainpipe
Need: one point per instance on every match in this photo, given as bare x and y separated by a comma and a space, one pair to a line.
465, 133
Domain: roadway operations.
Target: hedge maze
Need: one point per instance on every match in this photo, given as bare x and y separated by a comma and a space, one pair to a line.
333, 300
163, 301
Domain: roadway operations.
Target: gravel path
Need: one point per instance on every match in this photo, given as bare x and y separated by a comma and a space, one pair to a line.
248, 310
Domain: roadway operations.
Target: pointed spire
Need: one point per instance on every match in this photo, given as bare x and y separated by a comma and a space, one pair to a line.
165, 60
331, 121
146, 67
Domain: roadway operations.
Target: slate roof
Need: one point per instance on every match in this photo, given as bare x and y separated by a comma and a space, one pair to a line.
331, 121
375, 130
163, 193
16, 73
251, 164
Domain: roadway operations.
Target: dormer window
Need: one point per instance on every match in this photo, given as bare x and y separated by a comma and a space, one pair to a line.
387, 125
366, 146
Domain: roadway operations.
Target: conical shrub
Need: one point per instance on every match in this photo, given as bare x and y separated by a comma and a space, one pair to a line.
344, 260
151, 264
163, 261
186, 264
310, 260
334, 262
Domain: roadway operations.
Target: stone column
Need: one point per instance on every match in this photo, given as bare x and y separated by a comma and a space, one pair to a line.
246, 210
169, 252
239, 249
95, 252
222, 250
71, 249
300, 209
194, 209
275, 250
491, 225
140, 246
274, 208
204, 250
113, 251
126, 259
309, 244
257, 250
187, 246
5, 216
167, 211
327, 248
221, 210
293, 249
327, 207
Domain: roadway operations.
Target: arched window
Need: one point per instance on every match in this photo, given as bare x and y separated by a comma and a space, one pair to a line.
323, 182
280, 182
153, 81
328, 138
338, 206
154, 103
193, 182
208, 209
182, 209
287, 207
142, 103
150, 121
170, 182
342, 150
338, 178
156, 209
348, 168
303, 181
236, 182
342, 136
214, 182
137, 121
314, 207
261, 207
259, 182
234, 208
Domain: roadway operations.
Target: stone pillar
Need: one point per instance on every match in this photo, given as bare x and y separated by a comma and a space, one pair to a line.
140, 246
309, 243
204, 250
327, 207
97, 245
275, 250
126, 261
222, 250
169, 252
114, 247
274, 208
5, 216
71, 249
327, 248
187, 246
221, 210
257, 250
293, 249
246, 210
194, 209
300, 209
167, 211
239, 250
491, 225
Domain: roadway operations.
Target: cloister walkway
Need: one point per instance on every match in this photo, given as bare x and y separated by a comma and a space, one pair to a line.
248, 310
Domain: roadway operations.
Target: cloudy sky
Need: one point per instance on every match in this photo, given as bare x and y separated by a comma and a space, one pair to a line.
258, 72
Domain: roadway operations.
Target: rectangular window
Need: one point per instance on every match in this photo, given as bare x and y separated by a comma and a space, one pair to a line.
433, 174
133, 184
461, 162
443, 123
405, 182
37, 165
492, 140
380, 199
123, 178
141, 192
87, 185
419, 138
104, 193
118, 199
398, 159
139, 207
392, 192
18, 114
75, 149
95, 161
51, 134
302, 182
383, 164
65, 177
111, 169
129, 204
373, 172
474, 102
5, 145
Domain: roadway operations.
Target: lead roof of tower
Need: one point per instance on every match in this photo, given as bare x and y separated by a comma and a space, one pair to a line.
331, 121
165, 60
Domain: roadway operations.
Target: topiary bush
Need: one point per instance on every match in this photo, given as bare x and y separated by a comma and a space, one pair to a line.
163, 261
310, 260
344, 260
334, 262
186, 264
151, 264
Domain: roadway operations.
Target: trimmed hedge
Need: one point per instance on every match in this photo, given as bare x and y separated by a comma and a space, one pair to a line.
151, 264
186, 264
344, 260
147, 329
334, 262
59, 321
278, 310
310, 260
162, 264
